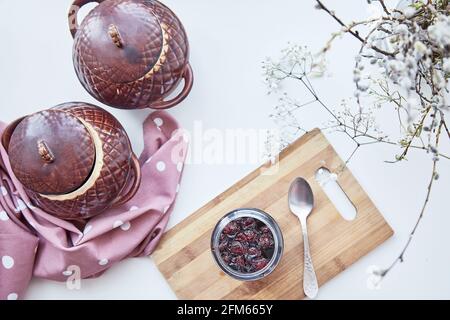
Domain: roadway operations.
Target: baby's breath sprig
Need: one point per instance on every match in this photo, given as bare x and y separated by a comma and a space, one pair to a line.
402, 66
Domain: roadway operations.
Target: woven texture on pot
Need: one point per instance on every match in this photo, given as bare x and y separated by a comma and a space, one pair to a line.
130, 53
35, 243
74, 160
114, 173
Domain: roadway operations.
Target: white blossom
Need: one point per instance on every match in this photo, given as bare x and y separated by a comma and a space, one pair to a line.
405, 82
420, 47
439, 80
409, 11
440, 31
401, 29
446, 65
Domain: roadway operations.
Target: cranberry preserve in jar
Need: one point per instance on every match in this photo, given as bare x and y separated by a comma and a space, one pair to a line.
247, 244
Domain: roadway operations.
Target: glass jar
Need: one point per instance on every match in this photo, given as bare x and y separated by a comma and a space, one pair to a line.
267, 220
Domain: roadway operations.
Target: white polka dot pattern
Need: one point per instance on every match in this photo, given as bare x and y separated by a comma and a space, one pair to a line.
107, 238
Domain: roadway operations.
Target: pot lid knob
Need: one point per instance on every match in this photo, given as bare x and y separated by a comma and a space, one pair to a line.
44, 151
51, 152
115, 36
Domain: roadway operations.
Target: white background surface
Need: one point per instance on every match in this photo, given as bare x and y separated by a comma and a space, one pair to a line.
229, 39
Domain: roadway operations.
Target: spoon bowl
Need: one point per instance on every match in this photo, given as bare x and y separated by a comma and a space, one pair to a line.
301, 198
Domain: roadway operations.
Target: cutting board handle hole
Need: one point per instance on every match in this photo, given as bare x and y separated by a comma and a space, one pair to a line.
331, 187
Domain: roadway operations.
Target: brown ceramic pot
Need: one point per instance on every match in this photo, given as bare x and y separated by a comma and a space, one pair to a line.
74, 160
131, 54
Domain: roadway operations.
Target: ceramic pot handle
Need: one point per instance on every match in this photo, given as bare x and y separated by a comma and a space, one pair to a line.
136, 167
188, 77
73, 14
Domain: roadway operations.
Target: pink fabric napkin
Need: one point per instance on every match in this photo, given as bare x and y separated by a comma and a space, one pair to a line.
34, 243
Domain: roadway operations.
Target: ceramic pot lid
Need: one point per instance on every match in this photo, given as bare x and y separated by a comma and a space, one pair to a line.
119, 41
51, 152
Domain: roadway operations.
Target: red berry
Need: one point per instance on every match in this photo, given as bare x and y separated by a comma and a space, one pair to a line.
223, 245
237, 247
253, 252
239, 260
231, 228
241, 237
248, 223
237, 263
250, 235
226, 257
259, 264
264, 241
249, 268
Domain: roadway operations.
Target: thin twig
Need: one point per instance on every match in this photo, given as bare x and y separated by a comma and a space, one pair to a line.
415, 133
350, 30
333, 15
352, 154
446, 128
383, 5
400, 258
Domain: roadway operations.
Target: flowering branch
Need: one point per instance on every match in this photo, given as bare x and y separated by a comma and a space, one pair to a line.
403, 65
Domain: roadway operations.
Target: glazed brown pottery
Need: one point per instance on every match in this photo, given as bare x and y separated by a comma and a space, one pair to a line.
74, 160
131, 54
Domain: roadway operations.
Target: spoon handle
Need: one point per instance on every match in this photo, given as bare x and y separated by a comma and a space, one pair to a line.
310, 286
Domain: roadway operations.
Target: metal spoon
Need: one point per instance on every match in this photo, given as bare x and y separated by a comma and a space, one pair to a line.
301, 203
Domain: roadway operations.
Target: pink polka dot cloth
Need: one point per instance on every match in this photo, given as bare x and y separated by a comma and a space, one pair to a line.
34, 243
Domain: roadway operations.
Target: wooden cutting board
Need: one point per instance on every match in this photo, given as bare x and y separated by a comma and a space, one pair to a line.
184, 255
